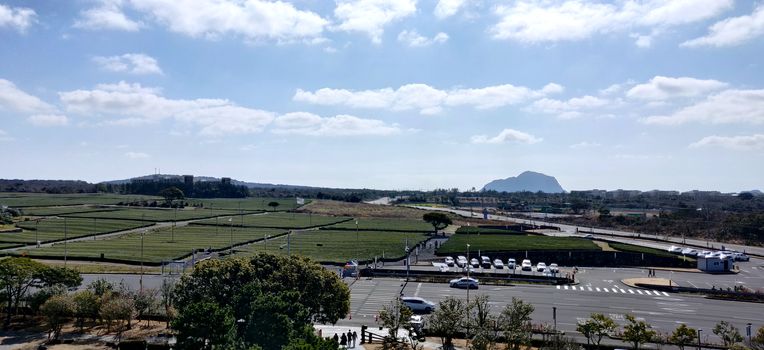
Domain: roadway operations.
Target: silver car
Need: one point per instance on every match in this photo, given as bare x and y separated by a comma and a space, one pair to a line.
464, 282
418, 304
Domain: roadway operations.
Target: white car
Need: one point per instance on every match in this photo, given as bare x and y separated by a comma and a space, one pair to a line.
553, 268
449, 261
526, 265
464, 282
741, 256
689, 251
589, 236
475, 263
486, 262
461, 261
540, 267
511, 264
498, 264
675, 249
418, 304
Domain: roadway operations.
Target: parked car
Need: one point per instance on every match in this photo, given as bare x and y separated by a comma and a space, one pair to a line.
540, 267
689, 251
474, 262
449, 261
588, 236
418, 304
461, 261
486, 262
553, 268
526, 265
675, 249
741, 256
498, 264
511, 264
464, 282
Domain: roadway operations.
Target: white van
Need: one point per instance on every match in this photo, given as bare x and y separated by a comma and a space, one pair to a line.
526, 265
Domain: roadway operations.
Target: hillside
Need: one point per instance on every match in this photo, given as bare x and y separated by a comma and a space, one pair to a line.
527, 181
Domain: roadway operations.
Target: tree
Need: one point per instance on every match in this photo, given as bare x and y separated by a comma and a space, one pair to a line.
205, 324
515, 323
172, 193
757, 341
86, 305
728, 333
56, 310
18, 275
273, 205
596, 327
394, 316
117, 308
482, 324
448, 320
438, 221
637, 332
683, 336
144, 301
263, 295
167, 289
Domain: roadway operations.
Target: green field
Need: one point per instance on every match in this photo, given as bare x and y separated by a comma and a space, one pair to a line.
493, 243
188, 213
53, 211
246, 203
338, 246
276, 220
624, 247
17, 200
158, 244
385, 224
53, 229
483, 230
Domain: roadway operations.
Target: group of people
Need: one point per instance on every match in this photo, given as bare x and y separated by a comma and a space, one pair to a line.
347, 340
650, 272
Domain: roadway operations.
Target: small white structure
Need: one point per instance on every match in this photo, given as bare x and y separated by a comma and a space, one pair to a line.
715, 263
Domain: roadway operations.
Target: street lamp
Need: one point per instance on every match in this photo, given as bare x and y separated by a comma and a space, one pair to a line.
230, 224
468, 272
357, 254
699, 330
143, 232
748, 333
65, 242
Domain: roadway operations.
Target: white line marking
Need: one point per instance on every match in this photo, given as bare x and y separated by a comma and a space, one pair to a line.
558, 287
566, 287
622, 291
573, 287
615, 290
606, 290
656, 292
598, 288
631, 291
639, 291
590, 288
666, 294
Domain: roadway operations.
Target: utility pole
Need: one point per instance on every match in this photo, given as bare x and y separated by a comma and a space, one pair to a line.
65, 242
468, 273
230, 224
172, 230
289, 243
357, 254
95, 229
143, 232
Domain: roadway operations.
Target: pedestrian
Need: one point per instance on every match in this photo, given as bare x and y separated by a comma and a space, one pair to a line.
336, 338
355, 338
350, 337
344, 340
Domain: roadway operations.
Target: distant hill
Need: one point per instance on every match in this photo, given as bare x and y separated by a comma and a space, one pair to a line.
527, 181
204, 179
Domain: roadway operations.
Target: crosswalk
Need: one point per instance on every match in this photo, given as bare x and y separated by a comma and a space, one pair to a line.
613, 290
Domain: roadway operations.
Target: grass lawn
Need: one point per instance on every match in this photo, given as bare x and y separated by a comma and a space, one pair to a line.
156, 214
158, 244
53, 229
338, 246
53, 211
624, 247
494, 243
44, 199
276, 220
385, 224
483, 230
246, 203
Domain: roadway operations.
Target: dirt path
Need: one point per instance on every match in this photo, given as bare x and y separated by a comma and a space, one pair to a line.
605, 247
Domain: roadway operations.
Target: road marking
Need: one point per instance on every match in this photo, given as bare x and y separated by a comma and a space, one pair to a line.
598, 289
418, 287
666, 294
631, 291
558, 287
656, 292
639, 291
605, 289
566, 287
573, 287
692, 284
590, 288
623, 291
615, 290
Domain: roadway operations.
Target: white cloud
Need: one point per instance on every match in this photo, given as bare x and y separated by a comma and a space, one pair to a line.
135, 63
584, 144
414, 39
14, 99
4, 136
137, 155
729, 106
371, 16
571, 108
48, 120
536, 21
663, 88
732, 31
740, 143
505, 136
133, 104
19, 18
448, 8
108, 14
302, 123
426, 99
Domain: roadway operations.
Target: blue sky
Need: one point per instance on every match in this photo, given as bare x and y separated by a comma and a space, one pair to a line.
389, 94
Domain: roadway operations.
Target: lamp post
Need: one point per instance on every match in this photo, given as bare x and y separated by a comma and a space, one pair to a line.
65, 242
37, 232
172, 230
748, 332
230, 224
357, 254
468, 272
143, 232
699, 330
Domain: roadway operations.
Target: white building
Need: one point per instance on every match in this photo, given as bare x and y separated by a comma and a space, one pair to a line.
715, 262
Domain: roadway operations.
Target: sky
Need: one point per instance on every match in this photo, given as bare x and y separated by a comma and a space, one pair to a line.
386, 94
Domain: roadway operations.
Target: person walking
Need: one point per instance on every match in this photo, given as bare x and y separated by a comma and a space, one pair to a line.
343, 340
336, 338
350, 337
355, 338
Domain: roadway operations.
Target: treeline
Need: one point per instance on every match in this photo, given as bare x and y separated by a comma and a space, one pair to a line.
47, 186
207, 189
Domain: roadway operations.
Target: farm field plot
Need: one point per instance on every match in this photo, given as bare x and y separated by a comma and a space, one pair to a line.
158, 244
44, 199
53, 229
458, 243
276, 220
258, 203
385, 224
53, 211
486, 230
156, 214
338, 246
624, 247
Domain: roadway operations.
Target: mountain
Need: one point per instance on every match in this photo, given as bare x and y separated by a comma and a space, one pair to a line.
527, 181
167, 177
